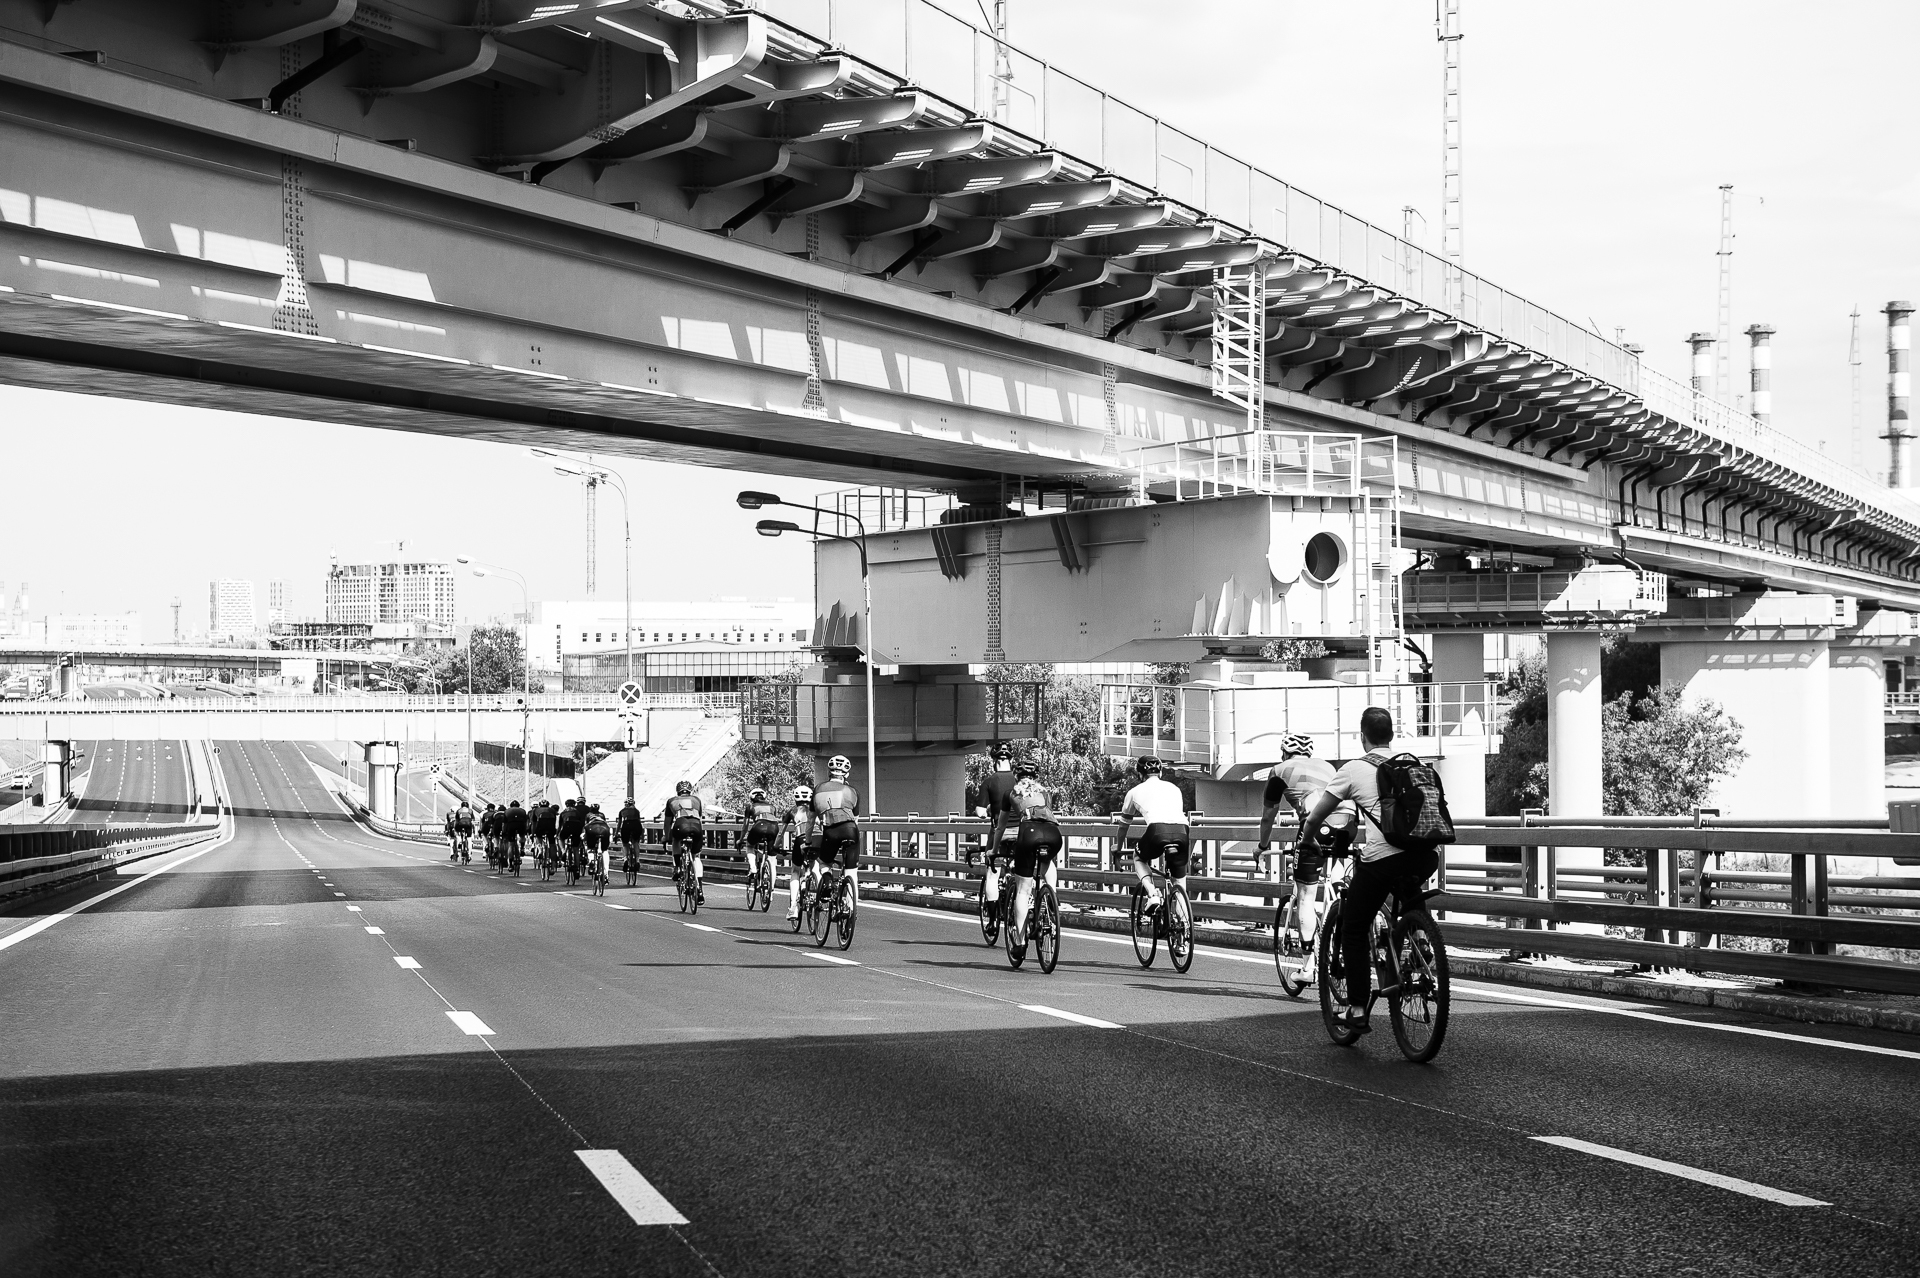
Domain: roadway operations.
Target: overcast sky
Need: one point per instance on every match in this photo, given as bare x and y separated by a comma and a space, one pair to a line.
1597, 136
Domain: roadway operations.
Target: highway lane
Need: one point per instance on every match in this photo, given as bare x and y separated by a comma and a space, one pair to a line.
132, 782
228, 1067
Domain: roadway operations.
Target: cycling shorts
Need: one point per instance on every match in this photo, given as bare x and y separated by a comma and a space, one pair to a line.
1310, 859
691, 830
761, 835
1165, 838
1038, 839
840, 841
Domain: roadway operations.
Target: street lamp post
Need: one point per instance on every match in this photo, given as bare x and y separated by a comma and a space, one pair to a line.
596, 475
773, 528
526, 604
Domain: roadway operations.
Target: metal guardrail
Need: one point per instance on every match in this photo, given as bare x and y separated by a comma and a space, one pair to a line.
33, 858
1300, 463
378, 703
835, 712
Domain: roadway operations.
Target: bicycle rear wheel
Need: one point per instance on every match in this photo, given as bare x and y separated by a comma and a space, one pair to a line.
1289, 952
1179, 928
822, 919
989, 913
1333, 980
849, 908
1146, 935
800, 917
1046, 925
1015, 942
1418, 1008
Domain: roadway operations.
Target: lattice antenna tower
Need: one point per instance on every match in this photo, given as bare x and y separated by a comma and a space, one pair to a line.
1447, 30
1856, 429
1723, 330
1240, 339
1002, 65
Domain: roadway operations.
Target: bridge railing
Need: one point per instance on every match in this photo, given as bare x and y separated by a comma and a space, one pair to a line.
38, 857
382, 703
1277, 462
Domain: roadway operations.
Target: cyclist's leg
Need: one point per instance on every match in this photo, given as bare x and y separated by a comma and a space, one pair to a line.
1368, 889
1026, 858
1309, 871
796, 870
1143, 859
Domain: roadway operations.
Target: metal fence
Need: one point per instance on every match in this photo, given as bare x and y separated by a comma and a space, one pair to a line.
378, 702
823, 713
1299, 463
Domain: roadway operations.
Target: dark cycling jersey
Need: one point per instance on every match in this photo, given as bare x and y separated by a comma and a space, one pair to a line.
631, 828
684, 816
993, 796
834, 803
516, 823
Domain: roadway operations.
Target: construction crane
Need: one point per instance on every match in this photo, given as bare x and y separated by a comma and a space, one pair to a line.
1447, 30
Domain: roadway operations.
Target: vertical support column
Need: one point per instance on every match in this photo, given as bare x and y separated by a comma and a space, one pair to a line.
1573, 723
1777, 691
383, 770
1462, 723
1856, 732
1899, 390
1761, 337
57, 781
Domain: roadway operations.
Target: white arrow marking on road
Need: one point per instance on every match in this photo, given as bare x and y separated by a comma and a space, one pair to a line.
629, 1188
468, 1022
830, 958
1685, 1172
1075, 1017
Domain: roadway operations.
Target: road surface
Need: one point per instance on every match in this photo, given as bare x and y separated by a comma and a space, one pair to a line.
308, 1049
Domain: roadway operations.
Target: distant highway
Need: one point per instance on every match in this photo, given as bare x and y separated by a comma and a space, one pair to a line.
132, 781
311, 1049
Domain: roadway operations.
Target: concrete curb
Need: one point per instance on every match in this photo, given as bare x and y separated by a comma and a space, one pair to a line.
1808, 1009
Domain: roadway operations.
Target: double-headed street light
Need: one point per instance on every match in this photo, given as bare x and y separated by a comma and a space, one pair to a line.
751, 500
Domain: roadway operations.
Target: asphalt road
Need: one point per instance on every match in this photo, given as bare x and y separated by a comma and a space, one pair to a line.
224, 1069
132, 782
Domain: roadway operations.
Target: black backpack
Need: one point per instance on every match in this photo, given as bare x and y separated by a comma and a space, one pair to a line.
1413, 805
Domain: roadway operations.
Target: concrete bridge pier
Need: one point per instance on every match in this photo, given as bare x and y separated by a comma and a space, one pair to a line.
383, 774
57, 781
1461, 659
930, 782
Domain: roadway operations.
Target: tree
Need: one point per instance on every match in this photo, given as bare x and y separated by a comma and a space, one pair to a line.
766, 765
499, 665
1085, 780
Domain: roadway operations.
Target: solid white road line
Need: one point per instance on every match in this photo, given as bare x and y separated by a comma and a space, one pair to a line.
1075, 1017
376, 931
828, 958
1685, 1172
468, 1022
629, 1188
407, 962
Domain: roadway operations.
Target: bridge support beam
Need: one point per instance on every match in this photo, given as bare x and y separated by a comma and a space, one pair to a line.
1461, 658
57, 781
922, 783
383, 773
1573, 723
1779, 691
1856, 732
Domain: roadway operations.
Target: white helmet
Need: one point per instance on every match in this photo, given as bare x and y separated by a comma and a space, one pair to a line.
802, 793
839, 765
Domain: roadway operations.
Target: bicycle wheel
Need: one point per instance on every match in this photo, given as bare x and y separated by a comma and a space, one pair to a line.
1016, 940
989, 915
849, 907
1333, 980
806, 904
1418, 1008
822, 919
1146, 937
1289, 952
1179, 928
693, 892
1046, 928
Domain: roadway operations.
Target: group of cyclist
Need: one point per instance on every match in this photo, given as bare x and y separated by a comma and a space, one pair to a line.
575, 832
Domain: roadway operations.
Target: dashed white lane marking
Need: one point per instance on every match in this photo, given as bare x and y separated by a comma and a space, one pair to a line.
828, 958
701, 927
339, 893
1685, 1172
354, 909
413, 965
629, 1188
611, 906
1075, 1017
469, 1023
376, 931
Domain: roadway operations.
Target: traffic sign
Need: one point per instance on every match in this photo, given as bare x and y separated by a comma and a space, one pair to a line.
633, 734
630, 694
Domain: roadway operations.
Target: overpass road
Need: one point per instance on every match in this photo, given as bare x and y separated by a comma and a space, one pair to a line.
225, 1065
133, 781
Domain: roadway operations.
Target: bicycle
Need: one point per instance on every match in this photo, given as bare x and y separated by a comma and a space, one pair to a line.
1293, 951
1172, 918
1410, 971
1043, 928
463, 844
835, 906
632, 866
760, 883
515, 850
596, 866
993, 914
576, 863
683, 879
548, 858
809, 909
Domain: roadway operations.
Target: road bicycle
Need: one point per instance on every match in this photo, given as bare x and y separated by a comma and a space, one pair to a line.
1410, 972
683, 876
515, 849
1293, 950
835, 907
1043, 927
597, 869
993, 914
760, 883
808, 912
576, 863
1172, 918
548, 858
632, 866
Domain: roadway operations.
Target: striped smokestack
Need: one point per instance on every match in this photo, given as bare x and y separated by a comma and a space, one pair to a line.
1702, 344
1761, 335
1899, 389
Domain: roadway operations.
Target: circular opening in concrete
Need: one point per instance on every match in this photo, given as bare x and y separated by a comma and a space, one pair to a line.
1326, 555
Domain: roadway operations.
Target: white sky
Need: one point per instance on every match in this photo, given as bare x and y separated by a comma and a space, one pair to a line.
1596, 138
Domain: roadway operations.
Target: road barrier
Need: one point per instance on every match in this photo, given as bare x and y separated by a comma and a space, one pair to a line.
36, 858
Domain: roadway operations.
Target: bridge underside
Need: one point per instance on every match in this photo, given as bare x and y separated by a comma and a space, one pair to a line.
719, 241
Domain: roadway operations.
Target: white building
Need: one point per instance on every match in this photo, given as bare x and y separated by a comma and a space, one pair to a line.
390, 593
230, 610
93, 630
276, 603
578, 627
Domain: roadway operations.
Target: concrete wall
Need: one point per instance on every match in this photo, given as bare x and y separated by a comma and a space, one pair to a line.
1779, 693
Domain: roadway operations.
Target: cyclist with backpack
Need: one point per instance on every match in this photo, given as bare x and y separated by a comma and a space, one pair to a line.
1406, 819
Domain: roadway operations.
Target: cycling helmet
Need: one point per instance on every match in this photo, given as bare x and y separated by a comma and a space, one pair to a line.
839, 765
1026, 768
1297, 743
1002, 751
683, 787
757, 795
1148, 766
802, 793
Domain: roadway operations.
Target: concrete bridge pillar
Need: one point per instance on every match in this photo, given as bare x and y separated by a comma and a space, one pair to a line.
926, 782
1781, 693
1461, 658
1573, 723
57, 781
1856, 732
383, 772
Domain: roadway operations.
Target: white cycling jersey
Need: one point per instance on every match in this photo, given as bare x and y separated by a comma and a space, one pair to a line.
1157, 802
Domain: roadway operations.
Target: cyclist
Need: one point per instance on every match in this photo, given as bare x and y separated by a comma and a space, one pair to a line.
453, 840
993, 795
803, 841
570, 826
1383, 869
1028, 812
597, 833
631, 832
1157, 802
490, 831
545, 822
836, 811
462, 818
763, 830
515, 830
1298, 781
685, 820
